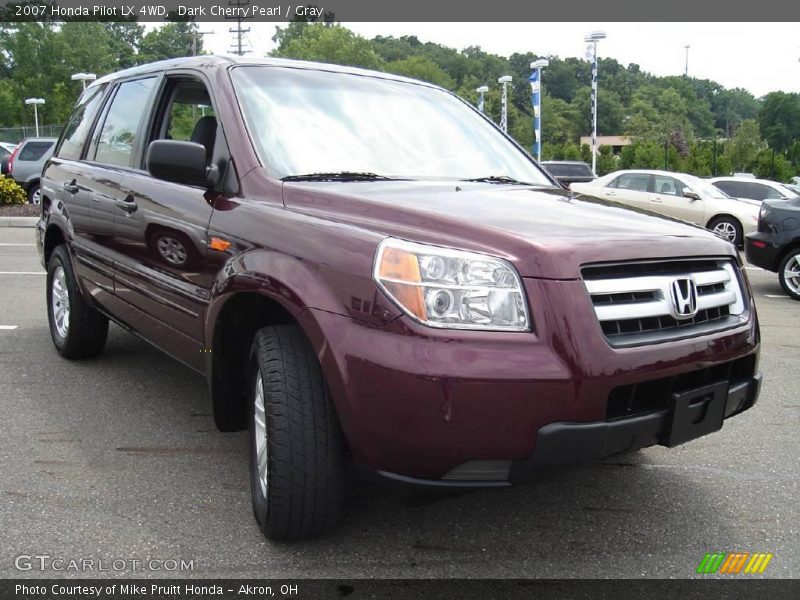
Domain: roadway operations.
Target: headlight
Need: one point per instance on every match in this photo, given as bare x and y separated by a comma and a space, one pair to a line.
450, 288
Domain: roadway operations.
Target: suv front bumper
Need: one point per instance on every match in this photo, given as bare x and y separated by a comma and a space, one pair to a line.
567, 444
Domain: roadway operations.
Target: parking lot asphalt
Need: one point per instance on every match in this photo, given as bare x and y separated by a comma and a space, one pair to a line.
118, 458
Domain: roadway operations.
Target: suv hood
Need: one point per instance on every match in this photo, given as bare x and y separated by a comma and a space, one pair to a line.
544, 232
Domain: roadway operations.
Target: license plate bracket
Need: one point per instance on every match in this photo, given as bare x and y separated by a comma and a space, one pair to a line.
696, 413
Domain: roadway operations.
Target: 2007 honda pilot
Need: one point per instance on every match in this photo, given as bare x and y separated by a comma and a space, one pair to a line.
370, 273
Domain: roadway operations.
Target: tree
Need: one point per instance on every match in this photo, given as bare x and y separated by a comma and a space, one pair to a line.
422, 68
172, 40
332, 44
779, 119
745, 145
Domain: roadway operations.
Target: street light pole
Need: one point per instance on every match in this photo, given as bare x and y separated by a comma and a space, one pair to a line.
504, 81
481, 90
536, 98
686, 68
36, 102
593, 37
83, 78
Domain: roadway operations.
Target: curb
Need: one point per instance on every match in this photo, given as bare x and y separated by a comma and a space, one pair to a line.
18, 221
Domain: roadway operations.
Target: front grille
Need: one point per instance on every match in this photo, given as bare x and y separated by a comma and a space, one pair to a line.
634, 305
629, 400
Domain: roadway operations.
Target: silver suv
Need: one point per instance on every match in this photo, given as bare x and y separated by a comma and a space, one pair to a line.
26, 163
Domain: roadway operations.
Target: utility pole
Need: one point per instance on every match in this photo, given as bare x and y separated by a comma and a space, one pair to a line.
238, 46
686, 68
195, 35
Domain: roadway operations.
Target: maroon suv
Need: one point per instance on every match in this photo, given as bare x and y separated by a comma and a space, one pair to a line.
368, 272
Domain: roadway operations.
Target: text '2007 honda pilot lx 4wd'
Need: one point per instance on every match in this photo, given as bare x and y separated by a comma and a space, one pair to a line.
369, 272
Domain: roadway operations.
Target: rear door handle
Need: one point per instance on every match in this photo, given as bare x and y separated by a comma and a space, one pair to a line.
128, 204
610, 193
658, 200
71, 187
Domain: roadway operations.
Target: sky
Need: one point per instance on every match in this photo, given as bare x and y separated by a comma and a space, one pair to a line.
759, 57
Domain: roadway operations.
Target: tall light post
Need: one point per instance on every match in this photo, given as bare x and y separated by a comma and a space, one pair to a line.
536, 100
591, 53
481, 90
83, 78
36, 102
686, 68
504, 81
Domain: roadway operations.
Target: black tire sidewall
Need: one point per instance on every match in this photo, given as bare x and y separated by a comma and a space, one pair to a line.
260, 503
31, 192
781, 278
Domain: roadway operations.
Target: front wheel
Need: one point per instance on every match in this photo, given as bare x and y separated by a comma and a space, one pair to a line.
296, 444
77, 329
789, 274
727, 228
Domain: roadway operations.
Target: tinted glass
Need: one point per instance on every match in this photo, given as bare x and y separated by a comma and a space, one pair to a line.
632, 181
4, 152
34, 150
80, 124
769, 193
121, 125
667, 185
558, 170
580, 171
732, 188
305, 121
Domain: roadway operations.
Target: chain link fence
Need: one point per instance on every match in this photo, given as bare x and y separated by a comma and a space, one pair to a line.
14, 135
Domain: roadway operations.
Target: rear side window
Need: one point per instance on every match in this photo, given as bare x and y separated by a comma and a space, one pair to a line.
638, 182
80, 124
34, 150
121, 127
580, 170
557, 170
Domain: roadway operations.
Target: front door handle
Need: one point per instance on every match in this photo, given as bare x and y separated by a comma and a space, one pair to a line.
128, 204
71, 187
610, 193
657, 200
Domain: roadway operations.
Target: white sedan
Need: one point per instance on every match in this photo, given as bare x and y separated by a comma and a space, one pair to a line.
679, 196
753, 189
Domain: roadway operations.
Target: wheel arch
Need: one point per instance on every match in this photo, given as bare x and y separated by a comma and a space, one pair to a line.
245, 299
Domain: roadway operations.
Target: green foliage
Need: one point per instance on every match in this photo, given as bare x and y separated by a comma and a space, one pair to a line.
422, 68
779, 119
606, 161
772, 165
331, 44
745, 145
10, 192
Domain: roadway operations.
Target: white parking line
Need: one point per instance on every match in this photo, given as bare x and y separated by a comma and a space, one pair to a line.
23, 272
8, 326
776, 296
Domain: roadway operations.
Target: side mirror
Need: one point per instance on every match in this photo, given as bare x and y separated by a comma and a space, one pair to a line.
688, 193
176, 161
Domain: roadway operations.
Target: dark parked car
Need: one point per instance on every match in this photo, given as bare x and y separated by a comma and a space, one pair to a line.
411, 295
26, 163
569, 171
776, 245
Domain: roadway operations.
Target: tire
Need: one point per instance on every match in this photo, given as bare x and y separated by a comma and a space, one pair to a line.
727, 228
298, 486
34, 194
77, 329
790, 265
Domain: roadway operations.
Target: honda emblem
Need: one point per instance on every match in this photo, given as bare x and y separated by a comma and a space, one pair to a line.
684, 298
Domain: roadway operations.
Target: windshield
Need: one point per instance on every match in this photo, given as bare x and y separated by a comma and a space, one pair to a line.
304, 121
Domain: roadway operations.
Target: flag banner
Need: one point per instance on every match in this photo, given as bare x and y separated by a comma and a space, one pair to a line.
536, 101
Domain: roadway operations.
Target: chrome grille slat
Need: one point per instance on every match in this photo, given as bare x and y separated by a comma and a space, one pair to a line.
633, 301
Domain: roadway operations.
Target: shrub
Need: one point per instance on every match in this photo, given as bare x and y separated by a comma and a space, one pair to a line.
10, 192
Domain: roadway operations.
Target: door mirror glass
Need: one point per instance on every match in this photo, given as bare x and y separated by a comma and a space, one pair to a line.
688, 193
177, 161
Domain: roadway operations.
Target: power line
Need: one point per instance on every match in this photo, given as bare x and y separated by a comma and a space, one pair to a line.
195, 35
238, 32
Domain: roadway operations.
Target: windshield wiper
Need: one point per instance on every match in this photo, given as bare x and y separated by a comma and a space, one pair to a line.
499, 179
337, 176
